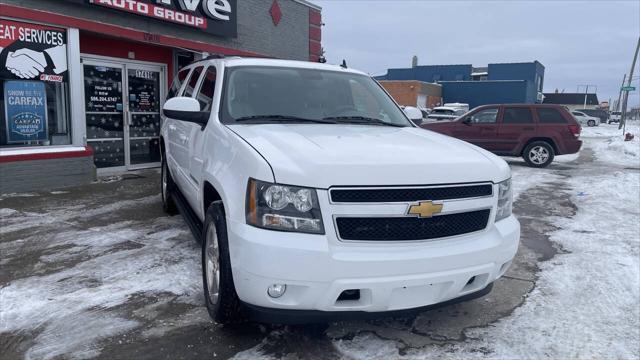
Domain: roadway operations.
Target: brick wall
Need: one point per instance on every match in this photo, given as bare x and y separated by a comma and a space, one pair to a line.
406, 93
315, 35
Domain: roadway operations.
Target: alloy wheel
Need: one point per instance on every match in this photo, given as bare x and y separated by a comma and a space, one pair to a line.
164, 182
212, 263
539, 155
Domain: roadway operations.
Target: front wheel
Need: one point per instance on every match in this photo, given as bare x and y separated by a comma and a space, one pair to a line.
538, 154
220, 294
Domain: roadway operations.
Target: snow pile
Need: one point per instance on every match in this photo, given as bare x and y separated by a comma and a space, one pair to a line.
609, 146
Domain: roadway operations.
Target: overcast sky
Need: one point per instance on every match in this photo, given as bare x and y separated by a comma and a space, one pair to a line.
578, 42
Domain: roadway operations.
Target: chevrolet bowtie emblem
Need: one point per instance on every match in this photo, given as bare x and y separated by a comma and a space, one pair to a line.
424, 209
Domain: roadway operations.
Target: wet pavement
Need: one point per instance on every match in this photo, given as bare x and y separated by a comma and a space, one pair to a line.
100, 271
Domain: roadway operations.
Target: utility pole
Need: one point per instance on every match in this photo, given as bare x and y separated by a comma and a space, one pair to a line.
623, 120
586, 91
624, 78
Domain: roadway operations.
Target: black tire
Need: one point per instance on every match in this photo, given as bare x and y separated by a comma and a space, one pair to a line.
226, 309
591, 123
538, 154
167, 187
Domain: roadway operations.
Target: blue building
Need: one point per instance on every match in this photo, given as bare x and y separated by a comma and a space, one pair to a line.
495, 84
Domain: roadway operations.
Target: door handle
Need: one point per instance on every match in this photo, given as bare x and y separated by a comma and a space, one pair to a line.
183, 138
172, 127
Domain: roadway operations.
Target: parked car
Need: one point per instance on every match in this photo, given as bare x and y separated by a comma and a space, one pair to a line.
444, 113
535, 132
585, 119
603, 115
314, 196
615, 116
458, 106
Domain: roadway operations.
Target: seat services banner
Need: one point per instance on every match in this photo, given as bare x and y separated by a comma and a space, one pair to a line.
32, 52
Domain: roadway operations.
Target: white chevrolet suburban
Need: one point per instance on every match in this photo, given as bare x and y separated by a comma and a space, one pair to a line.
314, 196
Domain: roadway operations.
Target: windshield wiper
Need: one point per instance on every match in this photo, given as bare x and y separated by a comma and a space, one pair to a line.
283, 118
362, 120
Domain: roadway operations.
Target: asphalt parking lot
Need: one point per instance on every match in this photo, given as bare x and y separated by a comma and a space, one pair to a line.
99, 271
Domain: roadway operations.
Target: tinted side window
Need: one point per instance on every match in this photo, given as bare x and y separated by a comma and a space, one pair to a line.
550, 116
193, 81
205, 95
517, 115
486, 116
177, 83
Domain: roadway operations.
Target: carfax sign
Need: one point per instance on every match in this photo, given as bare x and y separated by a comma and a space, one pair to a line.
25, 104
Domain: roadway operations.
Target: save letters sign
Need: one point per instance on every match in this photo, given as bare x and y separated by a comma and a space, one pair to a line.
26, 111
217, 17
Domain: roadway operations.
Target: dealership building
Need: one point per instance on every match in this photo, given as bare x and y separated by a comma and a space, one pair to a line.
504, 83
82, 82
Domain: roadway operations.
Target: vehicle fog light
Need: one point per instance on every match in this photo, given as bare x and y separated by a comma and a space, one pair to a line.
276, 290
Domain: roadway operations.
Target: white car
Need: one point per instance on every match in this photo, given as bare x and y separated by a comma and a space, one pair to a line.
445, 113
615, 116
314, 196
585, 119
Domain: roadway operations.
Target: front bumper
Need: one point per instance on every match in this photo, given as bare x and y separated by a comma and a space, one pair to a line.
296, 317
390, 276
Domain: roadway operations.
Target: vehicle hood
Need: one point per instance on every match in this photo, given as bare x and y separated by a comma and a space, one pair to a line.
325, 155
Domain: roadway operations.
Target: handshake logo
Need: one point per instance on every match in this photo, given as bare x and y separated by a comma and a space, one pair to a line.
26, 63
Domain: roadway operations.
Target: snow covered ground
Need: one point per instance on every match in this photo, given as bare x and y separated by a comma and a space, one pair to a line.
100, 271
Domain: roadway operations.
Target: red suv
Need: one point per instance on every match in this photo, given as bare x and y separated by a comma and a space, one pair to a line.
534, 131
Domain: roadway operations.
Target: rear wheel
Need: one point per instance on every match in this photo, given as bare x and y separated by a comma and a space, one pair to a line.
538, 154
220, 294
167, 186
591, 123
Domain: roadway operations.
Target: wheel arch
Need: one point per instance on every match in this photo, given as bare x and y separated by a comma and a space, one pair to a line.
542, 138
209, 195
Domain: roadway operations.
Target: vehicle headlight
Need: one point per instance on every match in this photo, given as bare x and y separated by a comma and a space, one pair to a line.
283, 207
505, 200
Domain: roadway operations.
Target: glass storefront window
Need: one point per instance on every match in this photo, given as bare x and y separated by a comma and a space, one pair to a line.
34, 85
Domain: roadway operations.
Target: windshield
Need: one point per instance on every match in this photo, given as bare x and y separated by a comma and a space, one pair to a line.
443, 112
273, 94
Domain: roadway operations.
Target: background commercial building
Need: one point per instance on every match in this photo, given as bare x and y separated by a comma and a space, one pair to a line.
494, 84
414, 93
573, 101
82, 83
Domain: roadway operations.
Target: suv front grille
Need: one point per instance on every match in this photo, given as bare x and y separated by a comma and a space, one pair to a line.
411, 228
409, 194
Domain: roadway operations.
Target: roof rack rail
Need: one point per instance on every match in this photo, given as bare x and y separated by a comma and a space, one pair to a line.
214, 56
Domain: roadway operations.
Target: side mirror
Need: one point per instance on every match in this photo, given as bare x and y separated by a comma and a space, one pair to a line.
185, 109
414, 114
467, 121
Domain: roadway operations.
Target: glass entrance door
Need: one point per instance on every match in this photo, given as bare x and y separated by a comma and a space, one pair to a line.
143, 115
103, 92
123, 103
